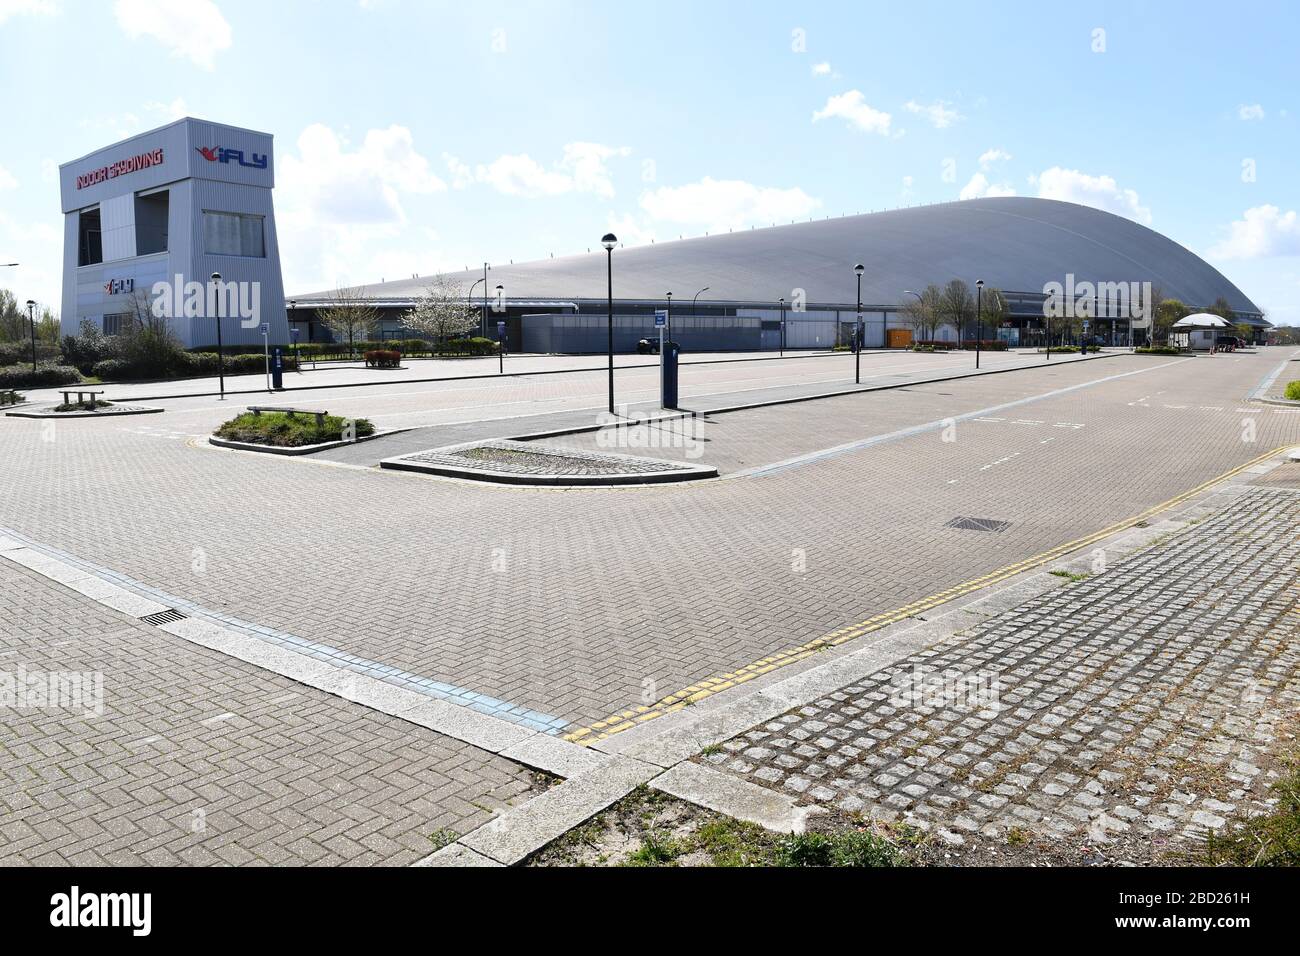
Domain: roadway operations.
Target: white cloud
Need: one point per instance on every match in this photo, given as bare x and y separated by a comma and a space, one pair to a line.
979, 186
1252, 111
718, 204
853, 109
1100, 192
1261, 232
7, 180
821, 69
991, 156
341, 209
14, 8
908, 181
940, 113
191, 29
582, 169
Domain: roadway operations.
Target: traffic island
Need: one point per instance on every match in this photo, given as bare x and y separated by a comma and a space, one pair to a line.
92, 409
524, 463
291, 431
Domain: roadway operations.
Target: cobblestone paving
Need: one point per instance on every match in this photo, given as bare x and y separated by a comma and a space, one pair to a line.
1140, 700
522, 458
200, 759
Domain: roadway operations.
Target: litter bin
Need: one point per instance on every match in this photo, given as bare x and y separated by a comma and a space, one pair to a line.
277, 371
671, 351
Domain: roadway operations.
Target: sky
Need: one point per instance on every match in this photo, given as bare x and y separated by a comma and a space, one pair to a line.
413, 136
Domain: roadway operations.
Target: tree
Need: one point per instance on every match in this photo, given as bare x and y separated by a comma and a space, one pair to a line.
1222, 309
13, 318
957, 306
349, 317
441, 312
48, 328
992, 309
1168, 312
923, 315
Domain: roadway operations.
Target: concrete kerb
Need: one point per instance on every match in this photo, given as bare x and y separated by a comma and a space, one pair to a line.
113, 411
292, 451
667, 745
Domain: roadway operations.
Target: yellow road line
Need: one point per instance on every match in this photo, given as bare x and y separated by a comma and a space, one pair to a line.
627, 719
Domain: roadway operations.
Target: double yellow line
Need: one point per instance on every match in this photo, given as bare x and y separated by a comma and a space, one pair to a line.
627, 719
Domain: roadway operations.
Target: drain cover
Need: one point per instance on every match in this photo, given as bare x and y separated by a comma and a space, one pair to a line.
168, 616
979, 524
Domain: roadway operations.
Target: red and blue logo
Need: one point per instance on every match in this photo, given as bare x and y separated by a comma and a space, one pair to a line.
219, 154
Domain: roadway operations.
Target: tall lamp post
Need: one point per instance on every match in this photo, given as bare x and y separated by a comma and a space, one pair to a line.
668, 319
694, 298
31, 317
782, 327
221, 361
979, 318
469, 303
293, 334
501, 339
857, 329
609, 241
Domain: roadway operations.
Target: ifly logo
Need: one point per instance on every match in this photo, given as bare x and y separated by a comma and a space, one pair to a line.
219, 154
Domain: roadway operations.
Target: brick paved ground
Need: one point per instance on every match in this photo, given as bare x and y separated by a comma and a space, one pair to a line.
201, 759
1141, 701
578, 604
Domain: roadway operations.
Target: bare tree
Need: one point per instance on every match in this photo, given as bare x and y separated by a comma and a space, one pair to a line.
441, 312
925, 314
957, 306
349, 316
992, 309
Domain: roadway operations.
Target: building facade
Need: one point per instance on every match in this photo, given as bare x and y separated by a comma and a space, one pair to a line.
156, 215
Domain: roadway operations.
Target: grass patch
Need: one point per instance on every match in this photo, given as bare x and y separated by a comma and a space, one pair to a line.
290, 431
1270, 840
1070, 575
442, 838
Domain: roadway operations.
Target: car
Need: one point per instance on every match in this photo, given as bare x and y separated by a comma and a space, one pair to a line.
647, 347
1225, 343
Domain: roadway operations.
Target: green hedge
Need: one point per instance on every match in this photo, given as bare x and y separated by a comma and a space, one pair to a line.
1293, 390
187, 365
45, 376
1157, 350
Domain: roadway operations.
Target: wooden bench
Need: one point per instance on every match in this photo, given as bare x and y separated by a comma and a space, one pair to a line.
291, 412
80, 393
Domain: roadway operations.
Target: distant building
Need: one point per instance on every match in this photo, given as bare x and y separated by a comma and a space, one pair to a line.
185, 200
1016, 244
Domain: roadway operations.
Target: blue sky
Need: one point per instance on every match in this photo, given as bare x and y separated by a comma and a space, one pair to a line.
413, 135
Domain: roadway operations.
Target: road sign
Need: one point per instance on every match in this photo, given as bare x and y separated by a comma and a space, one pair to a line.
501, 329
661, 318
266, 328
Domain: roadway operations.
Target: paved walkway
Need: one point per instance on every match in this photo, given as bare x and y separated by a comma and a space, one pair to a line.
1140, 702
196, 758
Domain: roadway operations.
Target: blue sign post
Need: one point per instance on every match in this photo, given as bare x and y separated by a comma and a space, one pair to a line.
661, 320
501, 347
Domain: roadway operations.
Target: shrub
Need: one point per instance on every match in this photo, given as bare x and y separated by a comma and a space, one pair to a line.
16, 353
45, 376
10, 397
88, 346
383, 358
477, 345
842, 848
1157, 350
1293, 390
288, 431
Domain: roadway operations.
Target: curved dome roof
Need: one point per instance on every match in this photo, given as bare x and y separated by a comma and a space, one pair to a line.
1014, 243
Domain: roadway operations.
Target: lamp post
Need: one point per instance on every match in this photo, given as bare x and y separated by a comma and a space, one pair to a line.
857, 329
694, 298
469, 301
501, 339
782, 327
221, 361
609, 241
979, 318
31, 317
668, 319
293, 334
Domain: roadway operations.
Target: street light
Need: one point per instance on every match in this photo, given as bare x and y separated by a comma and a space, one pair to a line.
694, 297
668, 319
31, 317
857, 330
293, 335
501, 338
979, 318
609, 241
782, 327
469, 302
221, 361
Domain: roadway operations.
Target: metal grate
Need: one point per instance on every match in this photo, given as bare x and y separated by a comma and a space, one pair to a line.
169, 616
979, 524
